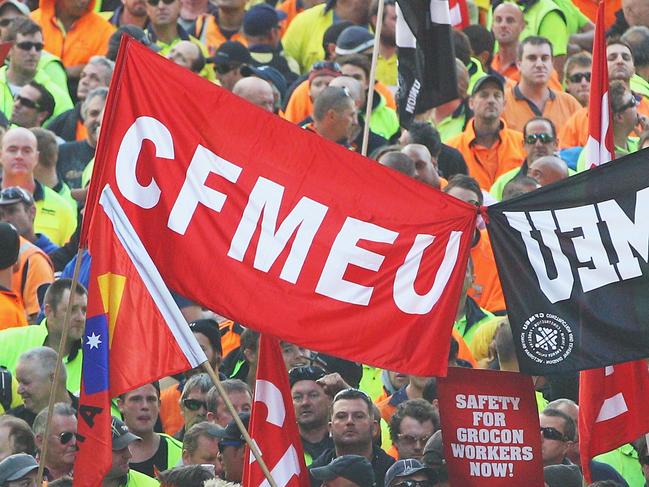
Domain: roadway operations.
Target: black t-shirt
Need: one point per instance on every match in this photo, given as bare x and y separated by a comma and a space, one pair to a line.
157, 463
317, 449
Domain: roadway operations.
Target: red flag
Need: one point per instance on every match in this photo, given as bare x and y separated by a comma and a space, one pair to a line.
611, 408
127, 308
273, 426
599, 147
459, 14
278, 228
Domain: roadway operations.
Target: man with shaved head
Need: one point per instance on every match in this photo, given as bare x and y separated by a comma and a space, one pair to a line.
425, 164
508, 23
257, 91
355, 90
399, 162
18, 157
549, 169
188, 55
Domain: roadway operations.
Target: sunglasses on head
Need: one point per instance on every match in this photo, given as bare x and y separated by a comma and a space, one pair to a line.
16, 193
28, 45
544, 138
66, 437
552, 434
194, 404
413, 483
331, 65
577, 77
26, 102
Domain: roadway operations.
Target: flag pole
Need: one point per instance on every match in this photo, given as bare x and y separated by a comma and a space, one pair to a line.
370, 90
251, 444
57, 368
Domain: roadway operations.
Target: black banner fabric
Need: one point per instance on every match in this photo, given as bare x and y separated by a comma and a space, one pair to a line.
426, 57
573, 263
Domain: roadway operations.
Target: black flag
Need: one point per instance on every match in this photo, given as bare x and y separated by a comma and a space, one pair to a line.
426, 57
573, 263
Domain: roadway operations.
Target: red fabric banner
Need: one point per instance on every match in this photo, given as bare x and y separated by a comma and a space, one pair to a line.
491, 428
273, 426
130, 311
278, 228
612, 408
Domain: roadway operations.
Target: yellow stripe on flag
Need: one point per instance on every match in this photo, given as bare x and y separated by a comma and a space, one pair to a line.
111, 288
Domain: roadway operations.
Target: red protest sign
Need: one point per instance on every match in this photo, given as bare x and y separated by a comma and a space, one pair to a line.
490, 428
276, 227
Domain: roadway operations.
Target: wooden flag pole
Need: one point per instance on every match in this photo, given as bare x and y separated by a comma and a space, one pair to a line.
370, 90
57, 369
252, 445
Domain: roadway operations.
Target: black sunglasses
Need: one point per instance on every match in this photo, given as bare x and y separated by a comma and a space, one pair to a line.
544, 138
26, 102
66, 437
235, 443
225, 68
194, 404
154, 3
5, 22
552, 434
28, 45
630, 104
577, 77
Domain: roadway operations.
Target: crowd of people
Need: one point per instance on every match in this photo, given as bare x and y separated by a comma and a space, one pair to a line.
519, 122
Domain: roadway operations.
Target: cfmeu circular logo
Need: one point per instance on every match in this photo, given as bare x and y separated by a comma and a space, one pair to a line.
547, 338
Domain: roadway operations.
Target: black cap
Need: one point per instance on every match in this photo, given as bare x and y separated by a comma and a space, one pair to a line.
351, 372
488, 79
354, 40
410, 466
260, 19
231, 52
9, 245
121, 436
267, 73
231, 432
354, 468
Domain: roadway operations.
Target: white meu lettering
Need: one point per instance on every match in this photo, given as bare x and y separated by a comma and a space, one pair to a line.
304, 220
144, 128
344, 251
560, 287
405, 296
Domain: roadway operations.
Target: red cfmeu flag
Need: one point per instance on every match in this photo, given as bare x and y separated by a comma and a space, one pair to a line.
273, 426
612, 408
278, 228
599, 147
134, 334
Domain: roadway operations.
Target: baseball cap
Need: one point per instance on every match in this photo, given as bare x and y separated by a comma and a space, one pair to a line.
354, 468
267, 73
122, 437
563, 476
15, 194
20, 6
231, 432
9, 245
490, 78
260, 19
15, 467
231, 52
410, 466
434, 450
353, 40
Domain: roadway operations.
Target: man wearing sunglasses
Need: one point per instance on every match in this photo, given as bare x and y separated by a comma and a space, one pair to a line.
539, 140
228, 60
23, 67
577, 75
62, 440
32, 106
193, 405
558, 432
